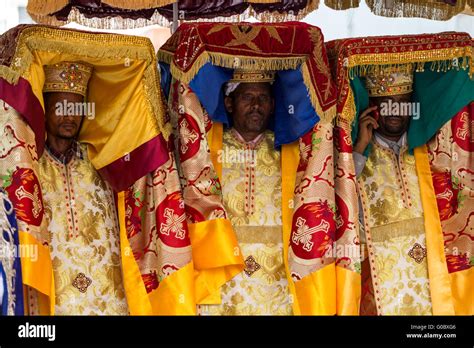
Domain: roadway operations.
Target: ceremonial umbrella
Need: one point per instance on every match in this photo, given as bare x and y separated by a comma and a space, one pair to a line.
120, 14
429, 9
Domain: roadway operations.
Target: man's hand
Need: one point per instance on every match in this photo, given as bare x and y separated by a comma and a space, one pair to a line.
366, 126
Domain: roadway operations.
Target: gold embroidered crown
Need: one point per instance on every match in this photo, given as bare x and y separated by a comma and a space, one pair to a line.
248, 76
390, 80
67, 77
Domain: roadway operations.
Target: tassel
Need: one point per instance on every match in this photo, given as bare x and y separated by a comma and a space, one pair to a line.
138, 4
430, 9
342, 4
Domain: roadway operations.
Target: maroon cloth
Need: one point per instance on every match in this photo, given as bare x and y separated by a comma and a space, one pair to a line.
22, 99
122, 173
190, 9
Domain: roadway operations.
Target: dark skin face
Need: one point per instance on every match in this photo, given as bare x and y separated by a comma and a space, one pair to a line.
392, 126
251, 106
61, 129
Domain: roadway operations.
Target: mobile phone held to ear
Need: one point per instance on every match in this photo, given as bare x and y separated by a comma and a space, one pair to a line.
375, 113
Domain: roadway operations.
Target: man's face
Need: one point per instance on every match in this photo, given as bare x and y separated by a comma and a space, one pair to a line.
251, 106
67, 125
392, 125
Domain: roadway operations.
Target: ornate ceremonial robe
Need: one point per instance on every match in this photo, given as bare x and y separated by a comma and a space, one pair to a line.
251, 187
11, 290
395, 271
80, 216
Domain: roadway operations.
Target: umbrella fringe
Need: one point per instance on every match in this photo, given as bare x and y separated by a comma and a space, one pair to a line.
430, 9
231, 62
44, 16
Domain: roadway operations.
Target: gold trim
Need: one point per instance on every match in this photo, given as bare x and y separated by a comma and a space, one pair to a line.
442, 60
349, 110
373, 63
409, 227
105, 45
241, 75
325, 116
229, 61
259, 234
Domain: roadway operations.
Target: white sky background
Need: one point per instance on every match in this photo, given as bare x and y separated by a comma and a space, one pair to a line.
362, 22
334, 24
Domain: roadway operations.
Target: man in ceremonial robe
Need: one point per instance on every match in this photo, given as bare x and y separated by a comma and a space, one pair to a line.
393, 237
251, 188
80, 213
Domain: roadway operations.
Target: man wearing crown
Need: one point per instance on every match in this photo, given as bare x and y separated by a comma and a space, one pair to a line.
80, 213
394, 272
251, 188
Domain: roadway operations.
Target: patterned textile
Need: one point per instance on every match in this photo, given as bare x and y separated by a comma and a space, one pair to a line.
251, 179
11, 289
452, 162
347, 242
80, 217
445, 54
357, 56
117, 14
156, 227
19, 168
453, 179
210, 228
394, 231
132, 89
307, 156
256, 46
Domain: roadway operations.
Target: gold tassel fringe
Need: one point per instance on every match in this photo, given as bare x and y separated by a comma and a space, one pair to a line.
442, 60
138, 4
231, 62
118, 22
112, 23
342, 4
469, 10
325, 116
430, 9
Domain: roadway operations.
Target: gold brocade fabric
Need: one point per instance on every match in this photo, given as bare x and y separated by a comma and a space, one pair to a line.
251, 181
81, 218
395, 234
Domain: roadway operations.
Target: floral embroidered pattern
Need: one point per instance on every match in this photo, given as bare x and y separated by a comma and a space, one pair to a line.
251, 266
81, 282
417, 253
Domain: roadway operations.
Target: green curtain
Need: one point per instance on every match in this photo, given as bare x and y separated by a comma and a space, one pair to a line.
441, 95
